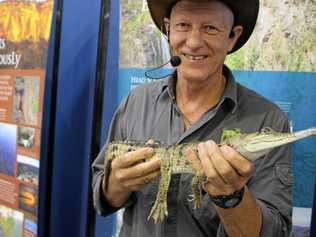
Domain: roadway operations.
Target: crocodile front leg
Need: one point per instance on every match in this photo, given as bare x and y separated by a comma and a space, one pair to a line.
159, 210
197, 182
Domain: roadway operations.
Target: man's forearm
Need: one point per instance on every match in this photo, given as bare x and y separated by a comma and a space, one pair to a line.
243, 220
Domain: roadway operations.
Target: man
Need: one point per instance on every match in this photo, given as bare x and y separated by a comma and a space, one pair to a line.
201, 98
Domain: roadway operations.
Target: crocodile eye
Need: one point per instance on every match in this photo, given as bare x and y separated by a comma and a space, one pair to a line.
130, 149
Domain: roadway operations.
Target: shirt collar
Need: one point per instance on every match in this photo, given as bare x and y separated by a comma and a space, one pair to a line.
229, 95
230, 91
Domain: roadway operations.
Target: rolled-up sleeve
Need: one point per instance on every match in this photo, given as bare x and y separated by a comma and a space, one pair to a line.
272, 187
273, 190
116, 132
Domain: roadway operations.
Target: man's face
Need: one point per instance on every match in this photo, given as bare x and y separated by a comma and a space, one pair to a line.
199, 34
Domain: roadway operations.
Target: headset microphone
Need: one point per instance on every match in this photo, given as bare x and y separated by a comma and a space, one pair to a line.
174, 61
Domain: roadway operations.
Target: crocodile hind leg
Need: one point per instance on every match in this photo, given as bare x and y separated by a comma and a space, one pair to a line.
197, 182
159, 210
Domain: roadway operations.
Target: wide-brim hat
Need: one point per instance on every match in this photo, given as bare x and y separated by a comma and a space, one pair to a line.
245, 13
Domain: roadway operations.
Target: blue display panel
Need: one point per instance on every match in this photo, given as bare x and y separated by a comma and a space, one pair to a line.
106, 226
70, 151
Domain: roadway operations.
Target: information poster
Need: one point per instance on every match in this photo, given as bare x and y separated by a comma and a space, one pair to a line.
279, 62
24, 34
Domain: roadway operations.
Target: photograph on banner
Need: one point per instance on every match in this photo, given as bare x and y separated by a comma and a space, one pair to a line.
24, 33
278, 61
28, 169
28, 198
11, 222
26, 100
26, 137
28, 141
8, 133
25, 27
30, 228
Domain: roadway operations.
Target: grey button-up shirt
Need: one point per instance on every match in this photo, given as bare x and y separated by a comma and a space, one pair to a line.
150, 112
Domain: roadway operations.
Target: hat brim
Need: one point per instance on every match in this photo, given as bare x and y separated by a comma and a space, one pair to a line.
245, 12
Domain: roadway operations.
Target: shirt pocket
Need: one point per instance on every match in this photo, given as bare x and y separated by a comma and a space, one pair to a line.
284, 174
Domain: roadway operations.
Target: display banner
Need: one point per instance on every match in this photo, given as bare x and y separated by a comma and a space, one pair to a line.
24, 34
278, 61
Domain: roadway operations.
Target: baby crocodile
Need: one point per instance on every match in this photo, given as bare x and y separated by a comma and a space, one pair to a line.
252, 146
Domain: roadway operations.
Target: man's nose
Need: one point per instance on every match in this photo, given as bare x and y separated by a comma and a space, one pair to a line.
194, 39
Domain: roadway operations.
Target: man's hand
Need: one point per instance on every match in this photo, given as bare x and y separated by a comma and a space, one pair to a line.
130, 172
226, 170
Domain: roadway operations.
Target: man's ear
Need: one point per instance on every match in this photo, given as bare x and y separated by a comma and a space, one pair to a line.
167, 30
166, 26
234, 35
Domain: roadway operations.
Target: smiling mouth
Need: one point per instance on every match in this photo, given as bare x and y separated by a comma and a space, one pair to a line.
194, 57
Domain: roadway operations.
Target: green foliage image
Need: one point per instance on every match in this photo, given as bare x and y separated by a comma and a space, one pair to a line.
283, 40
7, 226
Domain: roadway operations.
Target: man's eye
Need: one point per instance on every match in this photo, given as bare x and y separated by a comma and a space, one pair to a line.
182, 26
210, 29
